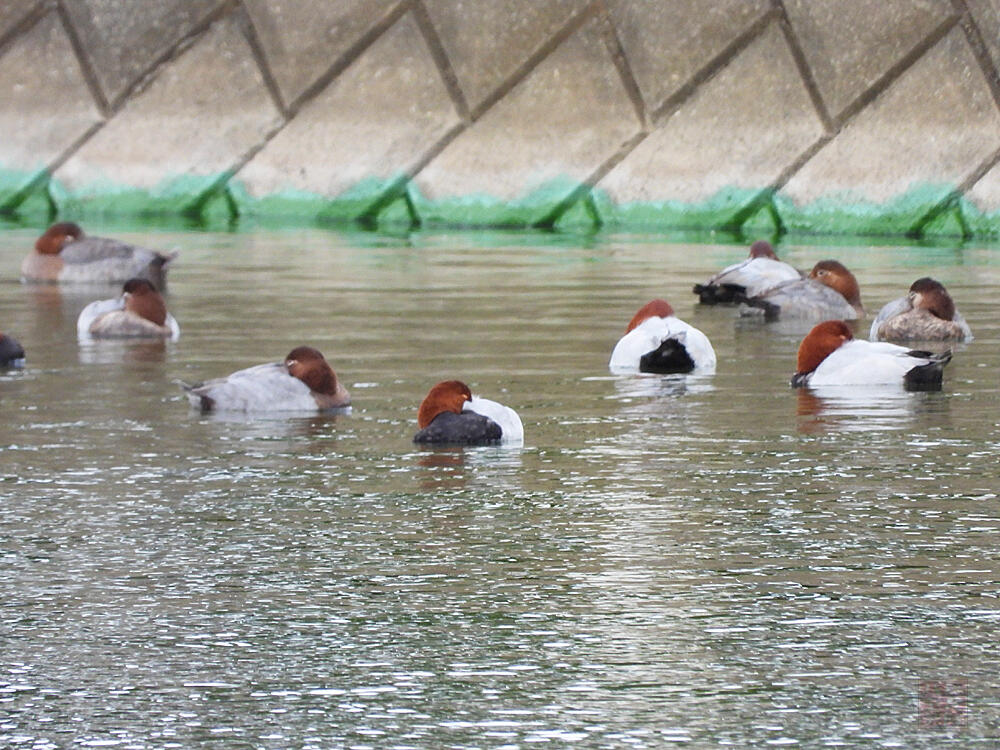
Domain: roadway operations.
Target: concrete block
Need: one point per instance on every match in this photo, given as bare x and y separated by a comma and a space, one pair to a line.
303, 39
904, 153
711, 158
367, 128
534, 148
486, 40
14, 11
849, 44
123, 46
45, 106
666, 43
981, 204
177, 139
986, 14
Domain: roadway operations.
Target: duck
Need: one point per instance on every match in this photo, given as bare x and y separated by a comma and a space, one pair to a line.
450, 413
748, 278
302, 382
64, 254
657, 341
139, 312
11, 352
829, 292
926, 313
830, 355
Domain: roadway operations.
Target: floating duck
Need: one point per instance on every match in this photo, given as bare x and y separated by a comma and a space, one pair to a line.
139, 312
830, 355
303, 382
926, 313
830, 291
11, 352
748, 278
66, 255
658, 341
450, 413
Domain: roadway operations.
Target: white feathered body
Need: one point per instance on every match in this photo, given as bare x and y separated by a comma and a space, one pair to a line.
108, 318
507, 418
866, 363
653, 331
755, 275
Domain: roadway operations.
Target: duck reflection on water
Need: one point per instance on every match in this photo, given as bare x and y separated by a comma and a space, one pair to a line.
125, 351
851, 409
651, 386
446, 466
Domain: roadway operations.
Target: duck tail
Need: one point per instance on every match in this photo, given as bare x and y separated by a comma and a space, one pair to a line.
161, 260
718, 294
670, 356
198, 400
800, 379
751, 307
156, 271
928, 376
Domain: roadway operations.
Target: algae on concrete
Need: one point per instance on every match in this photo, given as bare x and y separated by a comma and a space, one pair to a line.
846, 213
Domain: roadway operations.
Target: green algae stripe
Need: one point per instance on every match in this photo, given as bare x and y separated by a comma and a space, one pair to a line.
722, 210
16, 185
483, 210
925, 210
976, 222
175, 195
845, 213
354, 203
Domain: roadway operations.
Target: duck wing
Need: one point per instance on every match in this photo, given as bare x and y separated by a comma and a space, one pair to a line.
749, 277
801, 298
262, 388
99, 259
889, 310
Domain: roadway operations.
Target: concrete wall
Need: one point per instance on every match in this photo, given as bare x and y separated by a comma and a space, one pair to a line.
859, 116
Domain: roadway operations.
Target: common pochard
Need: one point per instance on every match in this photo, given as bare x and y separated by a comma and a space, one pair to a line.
65, 254
829, 292
658, 341
830, 355
139, 312
926, 313
748, 278
450, 413
303, 382
11, 352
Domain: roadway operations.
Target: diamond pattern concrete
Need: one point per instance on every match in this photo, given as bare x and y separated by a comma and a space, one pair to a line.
46, 103
123, 46
987, 15
13, 11
667, 43
486, 40
331, 147
727, 136
192, 124
849, 44
935, 125
302, 40
559, 125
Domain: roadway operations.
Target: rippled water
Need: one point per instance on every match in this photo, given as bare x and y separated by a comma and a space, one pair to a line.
668, 561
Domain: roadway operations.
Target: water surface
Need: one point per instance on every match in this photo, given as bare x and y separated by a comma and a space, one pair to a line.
669, 560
